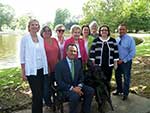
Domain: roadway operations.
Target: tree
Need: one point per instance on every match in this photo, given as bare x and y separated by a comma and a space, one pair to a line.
61, 17
6, 15
108, 12
139, 18
135, 13
23, 20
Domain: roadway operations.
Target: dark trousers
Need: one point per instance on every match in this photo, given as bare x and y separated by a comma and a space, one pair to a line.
74, 99
48, 91
125, 69
36, 85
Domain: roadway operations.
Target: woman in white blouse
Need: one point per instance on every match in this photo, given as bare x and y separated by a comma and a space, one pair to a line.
34, 63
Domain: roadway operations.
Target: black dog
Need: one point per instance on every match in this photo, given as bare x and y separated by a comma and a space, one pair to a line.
95, 78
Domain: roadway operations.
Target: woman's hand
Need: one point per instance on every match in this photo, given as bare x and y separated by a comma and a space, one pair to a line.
23, 72
24, 78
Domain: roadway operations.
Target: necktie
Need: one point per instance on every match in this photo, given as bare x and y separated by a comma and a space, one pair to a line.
72, 69
120, 40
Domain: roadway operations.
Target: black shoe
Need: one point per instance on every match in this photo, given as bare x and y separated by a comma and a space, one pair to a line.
125, 98
116, 93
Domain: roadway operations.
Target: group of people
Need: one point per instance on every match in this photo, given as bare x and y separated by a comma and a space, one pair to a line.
45, 58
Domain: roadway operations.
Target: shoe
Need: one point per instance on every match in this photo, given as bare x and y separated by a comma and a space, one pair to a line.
124, 98
116, 93
47, 109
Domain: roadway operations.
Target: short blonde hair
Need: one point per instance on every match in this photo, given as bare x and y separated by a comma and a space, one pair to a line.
59, 26
74, 27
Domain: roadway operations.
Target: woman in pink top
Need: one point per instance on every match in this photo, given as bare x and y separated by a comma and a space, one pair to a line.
53, 56
75, 38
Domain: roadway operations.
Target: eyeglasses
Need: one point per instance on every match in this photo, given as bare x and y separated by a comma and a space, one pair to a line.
61, 30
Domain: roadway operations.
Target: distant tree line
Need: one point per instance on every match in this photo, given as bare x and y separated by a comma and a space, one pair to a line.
135, 13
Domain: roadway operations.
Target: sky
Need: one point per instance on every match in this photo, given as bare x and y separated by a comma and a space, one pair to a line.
44, 10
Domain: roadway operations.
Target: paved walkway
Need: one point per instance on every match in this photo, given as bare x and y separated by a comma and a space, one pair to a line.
134, 104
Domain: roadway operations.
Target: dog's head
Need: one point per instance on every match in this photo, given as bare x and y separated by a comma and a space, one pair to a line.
98, 73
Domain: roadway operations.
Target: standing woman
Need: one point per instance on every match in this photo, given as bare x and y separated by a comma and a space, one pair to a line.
79, 42
53, 56
104, 52
34, 64
88, 39
94, 29
60, 29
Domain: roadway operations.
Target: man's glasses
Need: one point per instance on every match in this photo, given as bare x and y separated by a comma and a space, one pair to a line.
61, 30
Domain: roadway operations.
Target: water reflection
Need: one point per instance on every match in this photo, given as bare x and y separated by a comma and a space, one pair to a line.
9, 50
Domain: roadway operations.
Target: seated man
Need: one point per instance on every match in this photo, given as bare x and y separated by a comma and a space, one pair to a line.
69, 76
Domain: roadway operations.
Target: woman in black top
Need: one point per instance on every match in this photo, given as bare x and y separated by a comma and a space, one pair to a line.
104, 52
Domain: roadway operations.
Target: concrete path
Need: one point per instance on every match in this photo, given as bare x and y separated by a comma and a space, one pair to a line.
134, 104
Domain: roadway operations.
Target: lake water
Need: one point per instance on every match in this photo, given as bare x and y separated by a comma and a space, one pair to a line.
9, 50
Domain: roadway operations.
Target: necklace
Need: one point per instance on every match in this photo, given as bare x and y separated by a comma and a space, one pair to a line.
35, 39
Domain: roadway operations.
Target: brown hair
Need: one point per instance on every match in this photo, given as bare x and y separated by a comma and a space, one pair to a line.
43, 30
102, 27
87, 27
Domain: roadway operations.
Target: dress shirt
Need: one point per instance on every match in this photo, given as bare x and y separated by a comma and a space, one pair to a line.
69, 63
126, 48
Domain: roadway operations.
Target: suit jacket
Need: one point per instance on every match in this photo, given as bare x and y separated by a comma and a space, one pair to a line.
63, 75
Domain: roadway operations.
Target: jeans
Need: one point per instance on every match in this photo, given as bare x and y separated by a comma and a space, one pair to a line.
125, 69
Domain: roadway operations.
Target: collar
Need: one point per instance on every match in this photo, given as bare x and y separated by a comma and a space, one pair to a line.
103, 39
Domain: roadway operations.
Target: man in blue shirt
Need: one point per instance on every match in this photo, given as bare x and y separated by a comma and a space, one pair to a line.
126, 48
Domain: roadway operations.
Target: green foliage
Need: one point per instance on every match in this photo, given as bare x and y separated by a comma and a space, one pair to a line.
6, 15
10, 78
12, 90
139, 18
22, 21
135, 13
61, 16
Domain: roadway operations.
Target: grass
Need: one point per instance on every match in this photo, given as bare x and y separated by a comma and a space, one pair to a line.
144, 48
12, 88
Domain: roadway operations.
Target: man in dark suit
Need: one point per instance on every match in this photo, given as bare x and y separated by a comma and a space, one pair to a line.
69, 76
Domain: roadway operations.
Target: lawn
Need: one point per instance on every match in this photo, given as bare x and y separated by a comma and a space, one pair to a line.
144, 48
